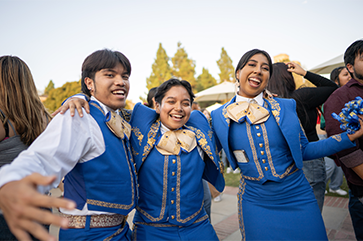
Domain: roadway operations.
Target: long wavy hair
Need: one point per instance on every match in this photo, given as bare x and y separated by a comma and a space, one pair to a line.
19, 99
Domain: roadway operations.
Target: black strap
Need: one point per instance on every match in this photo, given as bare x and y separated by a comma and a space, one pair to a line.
6, 125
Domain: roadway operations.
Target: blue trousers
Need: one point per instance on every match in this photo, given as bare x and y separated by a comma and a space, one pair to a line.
197, 231
315, 173
356, 214
111, 233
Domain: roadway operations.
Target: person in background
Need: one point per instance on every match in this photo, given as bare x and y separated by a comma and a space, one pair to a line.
22, 114
92, 152
351, 160
150, 98
262, 135
308, 99
334, 173
340, 76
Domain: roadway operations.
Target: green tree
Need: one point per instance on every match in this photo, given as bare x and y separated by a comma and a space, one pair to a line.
161, 70
226, 67
183, 67
49, 87
205, 80
57, 95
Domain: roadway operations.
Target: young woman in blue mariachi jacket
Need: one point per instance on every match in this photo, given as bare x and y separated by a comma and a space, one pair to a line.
262, 136
173, 149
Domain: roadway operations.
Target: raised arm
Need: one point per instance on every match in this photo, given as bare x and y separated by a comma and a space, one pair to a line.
76, 102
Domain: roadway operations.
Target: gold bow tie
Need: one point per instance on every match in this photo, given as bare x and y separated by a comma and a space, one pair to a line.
253, 112
172, 141
118, 125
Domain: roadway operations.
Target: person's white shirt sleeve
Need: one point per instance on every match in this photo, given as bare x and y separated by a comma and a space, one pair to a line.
65, 142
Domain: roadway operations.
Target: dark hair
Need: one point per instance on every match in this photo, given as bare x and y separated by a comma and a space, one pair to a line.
246, 57
352, 52
102, 59
167, 85
334, 75
281, 82
150, 97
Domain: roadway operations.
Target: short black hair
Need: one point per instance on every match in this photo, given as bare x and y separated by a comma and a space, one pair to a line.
102, 59
167, 85
352, 52
246, 57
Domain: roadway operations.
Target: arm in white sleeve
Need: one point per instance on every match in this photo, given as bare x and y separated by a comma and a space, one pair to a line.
65, 142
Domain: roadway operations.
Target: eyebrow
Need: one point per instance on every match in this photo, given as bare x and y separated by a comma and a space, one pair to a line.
172, 97
255, 61
112, 70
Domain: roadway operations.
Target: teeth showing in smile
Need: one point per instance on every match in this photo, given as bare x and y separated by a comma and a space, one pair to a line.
118, 92
255, 80
177, 116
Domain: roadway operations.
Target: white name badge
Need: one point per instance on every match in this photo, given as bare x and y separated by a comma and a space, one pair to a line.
241, 156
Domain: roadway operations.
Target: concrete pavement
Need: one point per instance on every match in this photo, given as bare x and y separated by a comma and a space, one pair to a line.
225, 217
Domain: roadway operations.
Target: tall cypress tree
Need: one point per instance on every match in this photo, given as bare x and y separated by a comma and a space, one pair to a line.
183, 67
205, 80
226, 67
161, 69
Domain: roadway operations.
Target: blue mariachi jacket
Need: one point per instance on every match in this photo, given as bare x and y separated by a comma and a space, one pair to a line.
108, 182
170, 187
288, 127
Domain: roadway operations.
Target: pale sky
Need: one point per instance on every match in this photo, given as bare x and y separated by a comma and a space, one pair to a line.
54, 37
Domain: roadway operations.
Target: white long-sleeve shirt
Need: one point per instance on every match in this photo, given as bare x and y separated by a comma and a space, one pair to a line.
65, 142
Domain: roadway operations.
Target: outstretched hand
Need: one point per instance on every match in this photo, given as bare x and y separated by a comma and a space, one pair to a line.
21, 205
295, 68
72, 104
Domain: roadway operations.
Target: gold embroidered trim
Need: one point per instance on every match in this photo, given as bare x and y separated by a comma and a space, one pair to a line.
225, 114
178, 218
97, 221
338, 137
269, 157
210, 134
165, 189
129, 163
128, 156
138, 134
151, 139
117, 232
255, 157
161, 225
202, 141
275, 109
296, 169
241, 191
134, 152
126, 114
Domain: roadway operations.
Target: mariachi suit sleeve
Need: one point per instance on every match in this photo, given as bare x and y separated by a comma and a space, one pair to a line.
207, 142
317, 149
